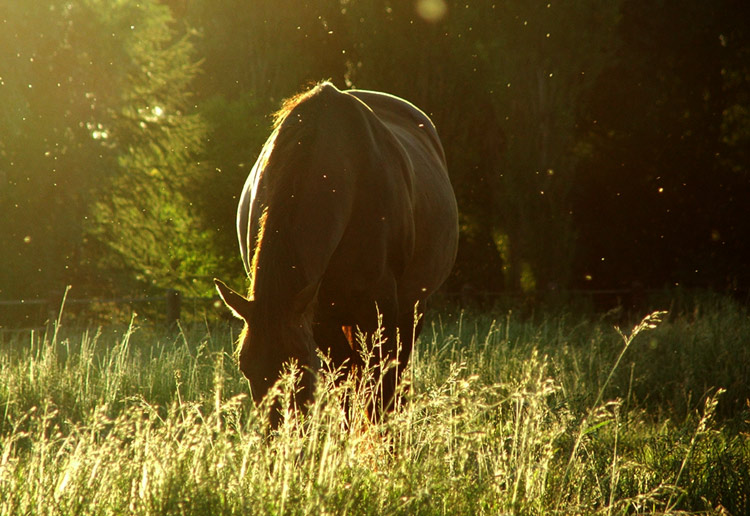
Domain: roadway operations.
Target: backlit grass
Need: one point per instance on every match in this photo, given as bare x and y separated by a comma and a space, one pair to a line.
553, 415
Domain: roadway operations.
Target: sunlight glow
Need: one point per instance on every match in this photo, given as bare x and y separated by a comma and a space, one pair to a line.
432, 10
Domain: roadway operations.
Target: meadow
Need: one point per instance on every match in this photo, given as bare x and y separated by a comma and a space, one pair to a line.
545, 413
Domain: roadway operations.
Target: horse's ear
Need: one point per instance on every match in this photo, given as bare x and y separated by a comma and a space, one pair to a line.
238, 304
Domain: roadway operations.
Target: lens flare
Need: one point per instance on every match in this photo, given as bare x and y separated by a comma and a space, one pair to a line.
432, 10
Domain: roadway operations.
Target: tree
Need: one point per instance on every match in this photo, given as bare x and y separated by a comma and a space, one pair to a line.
543, 58
54, 94
664, 189
96, 148
504, 82
148, 219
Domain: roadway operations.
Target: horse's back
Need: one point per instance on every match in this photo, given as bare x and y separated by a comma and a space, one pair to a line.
434, 208
361, 181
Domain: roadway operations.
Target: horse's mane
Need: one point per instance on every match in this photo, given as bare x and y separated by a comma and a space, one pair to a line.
258, 243
288, 104
295, 130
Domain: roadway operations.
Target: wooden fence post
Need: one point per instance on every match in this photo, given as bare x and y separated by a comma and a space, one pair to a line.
174, 303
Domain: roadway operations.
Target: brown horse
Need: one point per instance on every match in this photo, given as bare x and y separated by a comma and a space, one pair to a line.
347, 214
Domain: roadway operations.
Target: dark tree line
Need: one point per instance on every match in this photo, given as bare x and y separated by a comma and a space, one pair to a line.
591, 145
665, 194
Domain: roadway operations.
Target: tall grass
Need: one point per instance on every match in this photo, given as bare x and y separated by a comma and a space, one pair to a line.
501, 416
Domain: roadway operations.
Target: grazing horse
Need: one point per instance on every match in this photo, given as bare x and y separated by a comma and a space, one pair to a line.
348, 216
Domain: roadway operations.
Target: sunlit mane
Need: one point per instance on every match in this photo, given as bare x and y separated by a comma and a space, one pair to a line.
258, 244
290, 103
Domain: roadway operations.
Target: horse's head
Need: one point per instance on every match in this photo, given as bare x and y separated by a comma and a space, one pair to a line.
268, 342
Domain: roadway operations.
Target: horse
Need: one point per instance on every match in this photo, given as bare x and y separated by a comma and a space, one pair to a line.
346, 222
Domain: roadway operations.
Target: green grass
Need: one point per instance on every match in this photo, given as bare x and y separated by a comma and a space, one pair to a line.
552, 414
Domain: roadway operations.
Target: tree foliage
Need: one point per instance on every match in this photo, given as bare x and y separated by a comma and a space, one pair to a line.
55, 91
663, 169
589, 144
99, 147
147, 218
